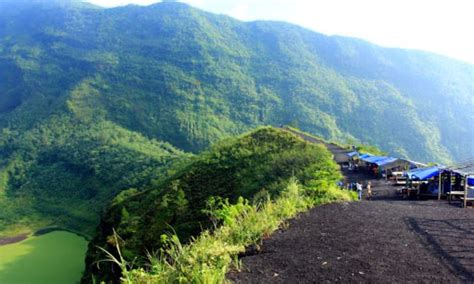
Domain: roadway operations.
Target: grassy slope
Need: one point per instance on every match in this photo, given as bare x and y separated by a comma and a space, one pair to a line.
253, 166
209, 257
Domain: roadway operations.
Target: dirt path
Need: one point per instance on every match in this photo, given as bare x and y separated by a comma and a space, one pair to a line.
12, 240
385, 240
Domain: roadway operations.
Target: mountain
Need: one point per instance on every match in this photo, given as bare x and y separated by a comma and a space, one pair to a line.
94, 101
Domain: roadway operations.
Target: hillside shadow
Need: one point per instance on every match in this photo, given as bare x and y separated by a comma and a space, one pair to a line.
450, 240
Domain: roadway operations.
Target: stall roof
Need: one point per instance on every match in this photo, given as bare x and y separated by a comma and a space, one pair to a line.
470, 181
386, 161
397, 163
352, 154
466, 169
364, 156
423, 174
417, 164
374, 159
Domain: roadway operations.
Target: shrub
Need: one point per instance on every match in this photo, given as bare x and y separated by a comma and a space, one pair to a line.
207, 258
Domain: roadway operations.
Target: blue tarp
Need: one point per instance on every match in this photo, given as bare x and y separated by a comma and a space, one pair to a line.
470, 181
423, 174
363, 156
374, 159
386, 161
352, 154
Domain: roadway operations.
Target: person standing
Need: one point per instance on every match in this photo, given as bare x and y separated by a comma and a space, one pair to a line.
369, 191
359, 189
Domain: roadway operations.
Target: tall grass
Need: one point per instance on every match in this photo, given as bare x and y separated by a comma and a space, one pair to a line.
207, 258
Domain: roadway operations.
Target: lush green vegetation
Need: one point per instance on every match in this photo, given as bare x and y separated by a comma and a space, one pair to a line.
94, 101
362, 148
256, 166
56, 257
190, 78
207, 258
63, 172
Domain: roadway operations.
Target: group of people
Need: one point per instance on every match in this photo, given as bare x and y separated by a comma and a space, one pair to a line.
353, 166
358, 186
371, 169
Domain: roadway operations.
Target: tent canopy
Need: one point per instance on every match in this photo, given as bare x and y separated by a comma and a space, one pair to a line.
423, 174
385, 162
352, 154
470, 181
363, 156
466, 170
417, 164
394, 163
374, 159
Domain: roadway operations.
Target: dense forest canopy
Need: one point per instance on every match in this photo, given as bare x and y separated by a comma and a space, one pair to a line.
94, 101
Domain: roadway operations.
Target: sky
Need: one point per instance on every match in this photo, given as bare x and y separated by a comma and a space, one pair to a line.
442, 26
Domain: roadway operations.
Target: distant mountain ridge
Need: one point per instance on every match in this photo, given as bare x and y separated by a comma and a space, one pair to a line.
86, 90
171, 42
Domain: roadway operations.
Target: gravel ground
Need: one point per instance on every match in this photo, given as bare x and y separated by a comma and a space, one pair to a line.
388, 239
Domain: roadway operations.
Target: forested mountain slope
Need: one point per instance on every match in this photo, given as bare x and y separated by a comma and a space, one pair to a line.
256, 166
84, 90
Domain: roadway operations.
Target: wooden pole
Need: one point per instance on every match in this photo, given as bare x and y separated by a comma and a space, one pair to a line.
439, 184
465, 190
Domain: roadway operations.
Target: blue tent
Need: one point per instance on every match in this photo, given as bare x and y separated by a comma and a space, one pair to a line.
423, 174
470, 181
386, 161
352, 154
363, 156
374, 159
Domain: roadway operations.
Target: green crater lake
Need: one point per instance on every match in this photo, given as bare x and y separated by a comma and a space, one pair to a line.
56, 257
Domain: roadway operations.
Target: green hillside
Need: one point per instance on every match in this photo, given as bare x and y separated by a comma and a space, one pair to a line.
63, 172
189, 77
93, 100
253, 166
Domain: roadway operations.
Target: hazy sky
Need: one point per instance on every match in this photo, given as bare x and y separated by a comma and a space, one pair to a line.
442, 26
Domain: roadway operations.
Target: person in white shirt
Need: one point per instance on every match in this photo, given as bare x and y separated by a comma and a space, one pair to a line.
359, 189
